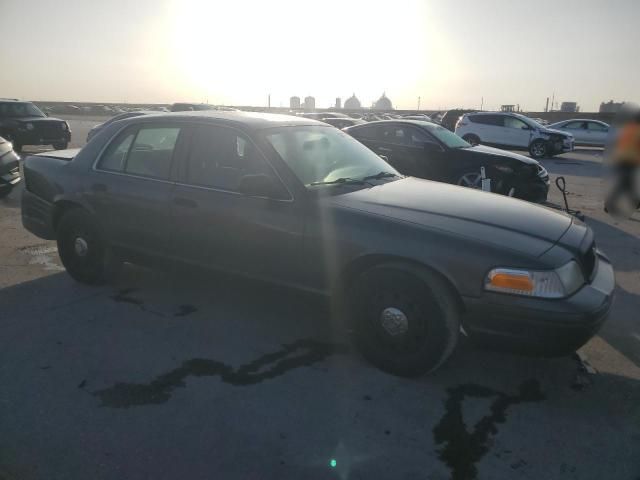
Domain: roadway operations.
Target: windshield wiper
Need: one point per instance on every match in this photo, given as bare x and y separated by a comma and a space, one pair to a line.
342, 181
380, 175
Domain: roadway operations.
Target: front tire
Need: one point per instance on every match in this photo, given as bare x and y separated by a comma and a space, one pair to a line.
539, 149
83, 249
406, 320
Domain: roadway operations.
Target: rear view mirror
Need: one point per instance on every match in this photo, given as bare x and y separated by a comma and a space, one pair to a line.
262, 185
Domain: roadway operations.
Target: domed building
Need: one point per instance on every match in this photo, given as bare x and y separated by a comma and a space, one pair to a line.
383, 103
352, 103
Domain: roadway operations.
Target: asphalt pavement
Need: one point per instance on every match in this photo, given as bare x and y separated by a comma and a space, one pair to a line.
185, 374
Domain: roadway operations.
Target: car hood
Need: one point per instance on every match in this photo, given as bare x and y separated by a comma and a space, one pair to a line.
486, 217
496, 152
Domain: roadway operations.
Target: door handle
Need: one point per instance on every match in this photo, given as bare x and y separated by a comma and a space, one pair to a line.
185, 202
384, 149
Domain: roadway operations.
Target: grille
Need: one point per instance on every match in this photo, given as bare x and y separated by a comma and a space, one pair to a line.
49, 130
589, 261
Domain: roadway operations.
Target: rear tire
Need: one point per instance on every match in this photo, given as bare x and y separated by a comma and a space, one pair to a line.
471, 139
406, 320
83, 249
538, 149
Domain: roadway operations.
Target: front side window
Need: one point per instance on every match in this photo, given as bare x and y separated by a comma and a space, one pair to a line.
115, 156
20, 110
219, 157
324, 154
513, 122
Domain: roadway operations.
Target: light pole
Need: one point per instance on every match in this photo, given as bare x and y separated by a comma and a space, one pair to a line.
418, 103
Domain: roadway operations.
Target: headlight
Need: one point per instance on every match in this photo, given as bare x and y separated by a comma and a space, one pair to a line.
29, 126
559, 283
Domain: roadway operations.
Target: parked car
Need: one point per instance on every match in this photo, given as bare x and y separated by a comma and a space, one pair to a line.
299, 203
424, 118
449, 118
9, 168
323, 115
199, 107
343, 122
512, 130
593, 133
101, 126
22, 123
426, 150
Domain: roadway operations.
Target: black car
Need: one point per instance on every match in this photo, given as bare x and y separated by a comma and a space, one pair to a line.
9, 168
449, 119
300, 203
426, 150
22, 123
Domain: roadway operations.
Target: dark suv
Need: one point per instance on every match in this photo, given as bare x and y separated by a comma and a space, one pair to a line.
22, 123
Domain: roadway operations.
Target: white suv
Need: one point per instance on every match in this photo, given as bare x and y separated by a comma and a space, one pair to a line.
511, 130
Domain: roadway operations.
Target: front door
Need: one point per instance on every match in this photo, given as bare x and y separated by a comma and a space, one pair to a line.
217, 226
517, 132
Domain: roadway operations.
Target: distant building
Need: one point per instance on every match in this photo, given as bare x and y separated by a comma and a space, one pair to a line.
294, 102
611, 107
309, 103
570, 107
508, 108
383, 103
338, 103
352, 103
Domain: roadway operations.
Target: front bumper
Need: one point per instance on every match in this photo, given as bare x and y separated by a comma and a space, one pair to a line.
539, 326
9, 174
561, 145
35, 137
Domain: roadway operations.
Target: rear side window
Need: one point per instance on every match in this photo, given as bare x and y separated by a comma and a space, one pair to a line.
146, 152
152, 151
597, 127
574, 125
494, 120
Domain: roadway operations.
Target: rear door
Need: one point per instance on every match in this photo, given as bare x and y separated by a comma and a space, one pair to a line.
579, 131
597, 133
217, 226
131, 185
490, 128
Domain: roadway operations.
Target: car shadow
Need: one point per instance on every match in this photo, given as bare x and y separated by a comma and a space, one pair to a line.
144, 341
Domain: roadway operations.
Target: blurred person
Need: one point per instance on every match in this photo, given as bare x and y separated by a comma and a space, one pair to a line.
623, 197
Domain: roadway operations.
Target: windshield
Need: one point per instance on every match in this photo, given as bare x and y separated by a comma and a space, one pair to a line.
323, 154
530, 121
19, 110
447, 137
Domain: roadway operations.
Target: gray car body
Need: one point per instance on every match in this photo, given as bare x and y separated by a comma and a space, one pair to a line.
321, 239
584, 135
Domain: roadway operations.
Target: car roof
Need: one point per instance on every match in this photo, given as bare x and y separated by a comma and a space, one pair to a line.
250, 120
407, 121
581, 120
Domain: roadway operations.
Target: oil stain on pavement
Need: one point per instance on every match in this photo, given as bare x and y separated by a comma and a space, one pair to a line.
463, 449
301, 353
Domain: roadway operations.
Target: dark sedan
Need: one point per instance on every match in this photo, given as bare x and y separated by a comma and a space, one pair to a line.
300, 203
426, 150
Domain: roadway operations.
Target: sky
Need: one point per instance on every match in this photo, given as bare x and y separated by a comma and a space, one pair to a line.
461, 53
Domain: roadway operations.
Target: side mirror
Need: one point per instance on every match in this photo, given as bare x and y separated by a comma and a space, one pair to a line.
384, 157
262, 185
525, 127
431, 147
